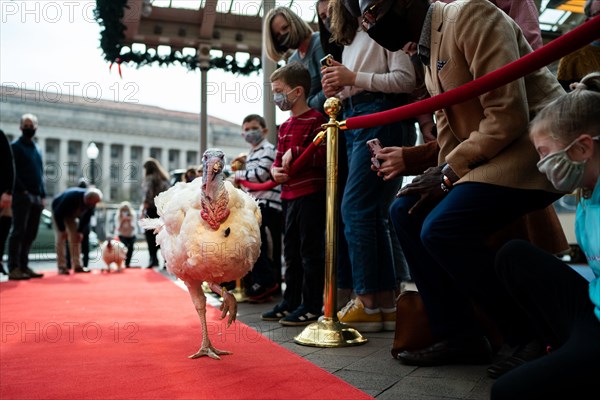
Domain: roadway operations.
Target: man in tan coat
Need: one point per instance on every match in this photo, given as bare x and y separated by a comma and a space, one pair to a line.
486, 176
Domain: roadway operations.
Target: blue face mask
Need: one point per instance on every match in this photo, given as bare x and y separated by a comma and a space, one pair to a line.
253, 136
282, 101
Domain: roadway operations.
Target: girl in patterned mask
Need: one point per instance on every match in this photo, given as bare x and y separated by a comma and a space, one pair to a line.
563, 304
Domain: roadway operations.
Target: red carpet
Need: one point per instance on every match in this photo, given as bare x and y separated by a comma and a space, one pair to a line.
127, 336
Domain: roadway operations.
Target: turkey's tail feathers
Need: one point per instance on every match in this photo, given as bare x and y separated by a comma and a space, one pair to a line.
154, 224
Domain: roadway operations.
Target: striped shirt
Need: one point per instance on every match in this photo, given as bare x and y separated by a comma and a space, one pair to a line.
297, 133
258, 170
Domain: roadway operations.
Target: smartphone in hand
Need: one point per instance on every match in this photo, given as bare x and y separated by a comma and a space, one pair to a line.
327, 61
374, 146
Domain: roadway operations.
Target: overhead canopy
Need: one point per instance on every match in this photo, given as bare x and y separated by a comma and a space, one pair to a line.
227, 34
224, 34
231, 26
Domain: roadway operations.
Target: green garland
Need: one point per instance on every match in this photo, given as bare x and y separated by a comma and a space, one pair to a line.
109, 14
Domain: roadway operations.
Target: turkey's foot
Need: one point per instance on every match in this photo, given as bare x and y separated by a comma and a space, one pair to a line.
210, 351
229, 305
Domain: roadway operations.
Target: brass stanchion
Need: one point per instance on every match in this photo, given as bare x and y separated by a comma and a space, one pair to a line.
330, 332
239, 293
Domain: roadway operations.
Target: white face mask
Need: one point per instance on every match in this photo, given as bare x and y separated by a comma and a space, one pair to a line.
564, 174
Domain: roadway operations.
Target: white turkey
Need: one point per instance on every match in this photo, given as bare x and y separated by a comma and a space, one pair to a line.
208, 231
113, 252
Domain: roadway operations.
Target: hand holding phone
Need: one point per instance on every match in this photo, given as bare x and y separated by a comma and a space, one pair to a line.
374, 147
327, 61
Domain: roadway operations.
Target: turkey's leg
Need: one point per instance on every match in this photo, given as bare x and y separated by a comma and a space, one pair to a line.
229, 304
206, 348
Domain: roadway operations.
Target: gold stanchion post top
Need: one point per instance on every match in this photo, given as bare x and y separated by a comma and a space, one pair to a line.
332, 107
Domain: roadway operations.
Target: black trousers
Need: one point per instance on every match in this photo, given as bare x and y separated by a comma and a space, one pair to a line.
555, 298
151, 239
266, 271
129, 242
5, 224
27, 210
304, 252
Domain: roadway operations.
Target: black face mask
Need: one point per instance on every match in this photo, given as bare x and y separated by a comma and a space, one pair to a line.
283, 43
391, 31
28, 132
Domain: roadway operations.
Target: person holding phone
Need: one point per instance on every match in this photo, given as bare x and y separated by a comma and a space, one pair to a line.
369, 79
125, 224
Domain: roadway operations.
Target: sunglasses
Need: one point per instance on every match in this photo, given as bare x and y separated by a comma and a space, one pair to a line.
376, 10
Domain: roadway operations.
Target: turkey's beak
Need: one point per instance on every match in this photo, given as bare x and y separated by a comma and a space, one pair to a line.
217, 167
214, 167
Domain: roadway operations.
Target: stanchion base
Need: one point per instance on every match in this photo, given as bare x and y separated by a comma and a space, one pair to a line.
239, 294
329, 333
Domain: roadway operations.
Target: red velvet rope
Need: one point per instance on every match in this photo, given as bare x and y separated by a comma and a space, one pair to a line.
558, 48
298, 164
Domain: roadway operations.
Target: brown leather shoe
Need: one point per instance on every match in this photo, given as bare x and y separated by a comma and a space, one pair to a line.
476, 350
81, 269
18, 275
34, 274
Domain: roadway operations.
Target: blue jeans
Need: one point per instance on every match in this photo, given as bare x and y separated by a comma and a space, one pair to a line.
366, 202
451, 262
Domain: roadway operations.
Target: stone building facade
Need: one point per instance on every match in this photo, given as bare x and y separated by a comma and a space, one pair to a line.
125, 133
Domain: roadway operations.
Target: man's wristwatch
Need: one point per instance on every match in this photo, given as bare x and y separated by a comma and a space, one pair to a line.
446, 185
448, 178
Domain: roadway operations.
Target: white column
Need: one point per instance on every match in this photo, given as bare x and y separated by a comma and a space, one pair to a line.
145, 154
63, 162
105, 177
125, 170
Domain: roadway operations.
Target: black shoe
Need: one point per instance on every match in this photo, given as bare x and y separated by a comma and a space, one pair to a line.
63, 271
18, 275
81, 270
33, 274
475, 350
278, 312
521, 355
258, 293
300, 317
228, 285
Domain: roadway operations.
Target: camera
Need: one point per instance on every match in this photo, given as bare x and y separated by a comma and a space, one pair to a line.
327, 61
374, 146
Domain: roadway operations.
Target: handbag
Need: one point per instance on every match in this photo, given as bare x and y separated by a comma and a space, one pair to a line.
413, 331
412, 324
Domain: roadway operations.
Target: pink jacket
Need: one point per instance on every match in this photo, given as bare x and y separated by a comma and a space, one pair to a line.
525, 14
